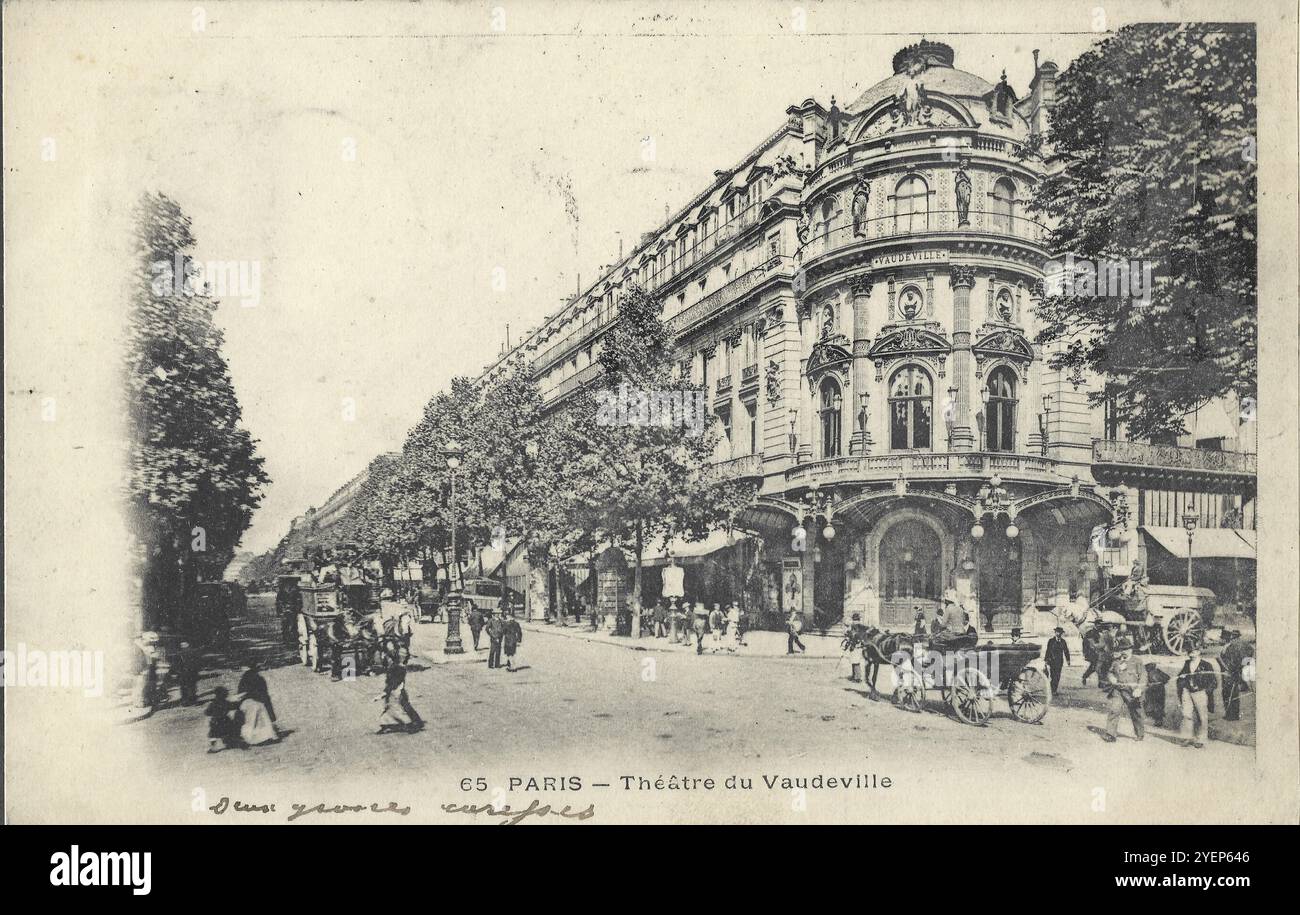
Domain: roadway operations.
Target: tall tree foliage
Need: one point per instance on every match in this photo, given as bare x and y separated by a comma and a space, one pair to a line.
635, 478
1152, 143
194, 476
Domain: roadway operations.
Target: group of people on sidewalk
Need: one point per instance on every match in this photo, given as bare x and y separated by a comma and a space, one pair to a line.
684, 622
504, 633
1139, 691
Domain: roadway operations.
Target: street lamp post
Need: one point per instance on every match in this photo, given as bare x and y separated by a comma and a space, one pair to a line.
452, 452
1189, 522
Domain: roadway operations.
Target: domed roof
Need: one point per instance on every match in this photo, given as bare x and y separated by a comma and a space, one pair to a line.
931, 63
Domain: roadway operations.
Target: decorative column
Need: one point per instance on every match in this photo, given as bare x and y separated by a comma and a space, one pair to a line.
1037, 439
807, 403
962, 279
860, 443
809, 557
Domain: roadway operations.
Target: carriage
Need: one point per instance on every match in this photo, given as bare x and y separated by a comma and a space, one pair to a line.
965, 678
1169, 617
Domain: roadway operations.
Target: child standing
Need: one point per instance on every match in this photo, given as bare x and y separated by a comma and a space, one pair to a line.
222, 728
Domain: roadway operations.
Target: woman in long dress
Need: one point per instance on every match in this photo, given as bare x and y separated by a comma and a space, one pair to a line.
255, 707
733, 627
398, 714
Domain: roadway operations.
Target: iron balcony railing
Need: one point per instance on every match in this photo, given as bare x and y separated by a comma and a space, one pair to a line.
917, 463
720, 298
840, 233
1106, 451
748, 465
579, 379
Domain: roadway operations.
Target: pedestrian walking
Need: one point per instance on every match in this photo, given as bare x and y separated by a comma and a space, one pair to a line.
398, 714
918, 627
700, 623
186, 670
145, 686
855, 639
496, 630
1124, 683
661, 618
405, 631
1234, 661
733, 627
256, 708
1195, 684
793, 627
716, 622
476, 623
1091, 646
1153, 699
512, 637
1056, 657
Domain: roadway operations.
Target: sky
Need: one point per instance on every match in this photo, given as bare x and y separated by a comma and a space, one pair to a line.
385, 166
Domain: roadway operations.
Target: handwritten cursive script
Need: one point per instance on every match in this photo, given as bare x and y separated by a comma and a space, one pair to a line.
302, 810
512, 817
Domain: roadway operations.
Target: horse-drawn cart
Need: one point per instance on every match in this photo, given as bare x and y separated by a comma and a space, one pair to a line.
965, 678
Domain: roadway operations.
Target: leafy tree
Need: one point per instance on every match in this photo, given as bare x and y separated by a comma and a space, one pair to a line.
372, 519
1151, 144
194, 476
626, 475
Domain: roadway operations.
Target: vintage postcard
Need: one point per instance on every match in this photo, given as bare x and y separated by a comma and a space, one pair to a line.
650, 412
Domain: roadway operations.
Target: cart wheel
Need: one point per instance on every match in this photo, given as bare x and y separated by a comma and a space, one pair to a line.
1029, 695
1183, 630
910, 691
972, 696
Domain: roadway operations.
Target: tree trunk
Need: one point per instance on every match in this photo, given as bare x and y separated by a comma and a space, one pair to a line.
636, 582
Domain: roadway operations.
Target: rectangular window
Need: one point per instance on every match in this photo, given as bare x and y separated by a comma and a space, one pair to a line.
898, 426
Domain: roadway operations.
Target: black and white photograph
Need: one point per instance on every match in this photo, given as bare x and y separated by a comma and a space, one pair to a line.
578, 413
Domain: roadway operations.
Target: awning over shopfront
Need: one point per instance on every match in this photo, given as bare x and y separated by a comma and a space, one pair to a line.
684, 551
1207, 542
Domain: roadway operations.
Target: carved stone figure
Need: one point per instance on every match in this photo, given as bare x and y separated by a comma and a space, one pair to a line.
773, 382
861, 197
828, 321
804, 227
963, 197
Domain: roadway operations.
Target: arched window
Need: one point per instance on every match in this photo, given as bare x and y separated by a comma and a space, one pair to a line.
911, 564
911, 205
830, 412
911, 407
828, 212
1003, 216
1000, 411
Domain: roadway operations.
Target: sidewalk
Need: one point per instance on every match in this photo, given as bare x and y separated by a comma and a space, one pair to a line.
757, 644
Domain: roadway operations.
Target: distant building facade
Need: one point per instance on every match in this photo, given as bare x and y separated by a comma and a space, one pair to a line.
857, 298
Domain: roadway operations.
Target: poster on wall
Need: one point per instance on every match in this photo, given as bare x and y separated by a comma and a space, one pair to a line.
792, 585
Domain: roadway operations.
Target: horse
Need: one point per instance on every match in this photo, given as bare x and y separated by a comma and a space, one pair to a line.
878, 647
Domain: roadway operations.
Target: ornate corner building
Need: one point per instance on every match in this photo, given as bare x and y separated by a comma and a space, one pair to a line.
857, 298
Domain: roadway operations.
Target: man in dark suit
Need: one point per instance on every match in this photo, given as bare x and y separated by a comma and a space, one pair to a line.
496, 630
1056, 657
475, 620
512, 635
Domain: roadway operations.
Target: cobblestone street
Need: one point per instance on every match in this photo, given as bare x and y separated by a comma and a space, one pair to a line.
575, 703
